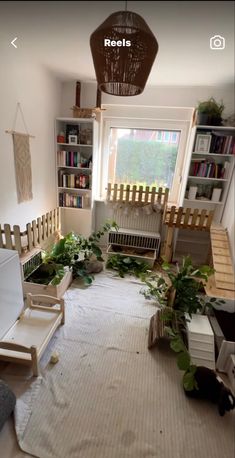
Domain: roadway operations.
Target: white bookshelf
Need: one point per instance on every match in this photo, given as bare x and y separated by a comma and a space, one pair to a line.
217, 162
76, 170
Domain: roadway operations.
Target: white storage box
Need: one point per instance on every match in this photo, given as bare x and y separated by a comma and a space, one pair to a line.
200, 341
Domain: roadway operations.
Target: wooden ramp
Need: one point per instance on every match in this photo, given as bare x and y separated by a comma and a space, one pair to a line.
221, 284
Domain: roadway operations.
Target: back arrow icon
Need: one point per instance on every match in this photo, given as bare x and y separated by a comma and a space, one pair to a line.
13, 42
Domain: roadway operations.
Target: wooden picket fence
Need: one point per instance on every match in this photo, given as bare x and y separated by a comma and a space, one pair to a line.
184, 218
188, 218
36, 232
137, 194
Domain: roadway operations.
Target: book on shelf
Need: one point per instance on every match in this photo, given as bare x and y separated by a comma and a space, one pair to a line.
70, 200
72, 159
206, 169
222, 143
71, 180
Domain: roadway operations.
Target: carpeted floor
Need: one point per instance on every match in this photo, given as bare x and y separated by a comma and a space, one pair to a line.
108, 396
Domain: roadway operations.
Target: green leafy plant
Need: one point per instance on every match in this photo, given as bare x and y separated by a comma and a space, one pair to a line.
211, 107
178, 291
76, 251
127, 265
182, 288
183, 360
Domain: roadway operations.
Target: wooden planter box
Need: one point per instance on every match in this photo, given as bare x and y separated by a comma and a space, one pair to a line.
50, 290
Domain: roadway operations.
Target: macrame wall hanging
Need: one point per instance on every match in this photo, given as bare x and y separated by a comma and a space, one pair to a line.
22, 159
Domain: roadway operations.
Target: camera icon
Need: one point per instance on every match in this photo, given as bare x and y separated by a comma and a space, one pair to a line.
217, 42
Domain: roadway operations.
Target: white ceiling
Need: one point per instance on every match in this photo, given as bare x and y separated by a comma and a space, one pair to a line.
57, 34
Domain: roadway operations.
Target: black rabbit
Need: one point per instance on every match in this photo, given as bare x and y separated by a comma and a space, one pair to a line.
212, 388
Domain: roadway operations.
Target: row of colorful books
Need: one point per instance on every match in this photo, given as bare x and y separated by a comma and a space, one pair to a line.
208, 169
72, 159
217, 142
70, 200
222, 144
70, 180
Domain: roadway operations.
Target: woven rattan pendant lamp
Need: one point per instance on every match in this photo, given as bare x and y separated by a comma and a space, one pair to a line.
121, 68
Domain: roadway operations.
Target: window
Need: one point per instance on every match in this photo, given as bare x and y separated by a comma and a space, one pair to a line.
144, 145
144, 157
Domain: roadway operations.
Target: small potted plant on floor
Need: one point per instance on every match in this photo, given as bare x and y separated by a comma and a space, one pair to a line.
209, 113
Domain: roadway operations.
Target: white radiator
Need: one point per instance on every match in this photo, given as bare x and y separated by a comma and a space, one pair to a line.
138, 220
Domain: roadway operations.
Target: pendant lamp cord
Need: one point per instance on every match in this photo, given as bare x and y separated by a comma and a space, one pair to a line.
125, 5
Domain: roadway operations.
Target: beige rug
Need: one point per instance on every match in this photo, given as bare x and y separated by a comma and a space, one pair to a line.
108, 396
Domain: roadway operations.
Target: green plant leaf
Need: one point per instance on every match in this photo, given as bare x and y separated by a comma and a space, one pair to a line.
189, 381
177, 345
183, 361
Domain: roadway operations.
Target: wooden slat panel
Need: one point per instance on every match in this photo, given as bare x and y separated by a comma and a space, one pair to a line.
35, 234
44, 227
222, 277
109, 190
226, 286
39, 224
153, 194
50, 223
58, 219
224, 268
17, 238
8, 242
213, 291
220, 237
202, 219
194, 218
209, 219
134, 194
146, 198
222, 251
219, 244
1, 240
159, 195
140, 193
172, 215
127, 192
29, 236
47, 224
53, 221
221, 259
179, 216
121, 192
186, 217
165, 200
115, 188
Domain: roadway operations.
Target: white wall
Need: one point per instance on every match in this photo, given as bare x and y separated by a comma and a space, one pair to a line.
152, 96
39, 93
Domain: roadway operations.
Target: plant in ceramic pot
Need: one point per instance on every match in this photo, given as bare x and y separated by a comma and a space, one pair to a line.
209, 113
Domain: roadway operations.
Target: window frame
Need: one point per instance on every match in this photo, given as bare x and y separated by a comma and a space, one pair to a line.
182, 126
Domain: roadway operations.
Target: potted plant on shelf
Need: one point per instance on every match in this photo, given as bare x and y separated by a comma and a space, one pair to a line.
209, 113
